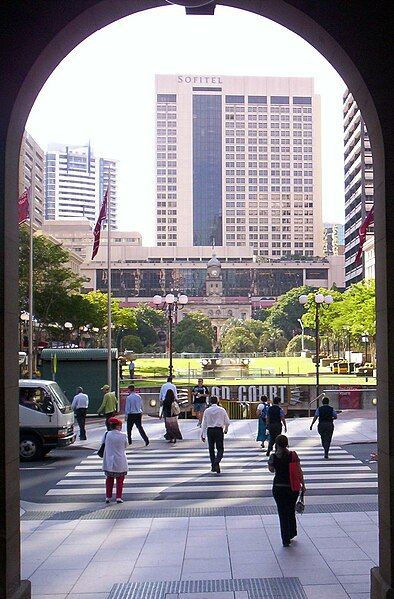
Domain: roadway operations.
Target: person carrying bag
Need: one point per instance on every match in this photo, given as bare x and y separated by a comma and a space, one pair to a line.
287, 484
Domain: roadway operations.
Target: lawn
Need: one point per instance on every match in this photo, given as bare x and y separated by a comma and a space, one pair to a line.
288, 371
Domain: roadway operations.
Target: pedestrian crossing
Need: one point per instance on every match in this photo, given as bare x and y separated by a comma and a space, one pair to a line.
176, 473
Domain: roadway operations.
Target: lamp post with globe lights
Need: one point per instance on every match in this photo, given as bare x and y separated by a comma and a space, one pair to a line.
171, 305
319, 299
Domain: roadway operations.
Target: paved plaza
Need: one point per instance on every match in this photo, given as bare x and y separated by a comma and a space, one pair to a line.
184, 533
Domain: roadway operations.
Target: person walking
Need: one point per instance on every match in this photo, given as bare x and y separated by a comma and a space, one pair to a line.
109, 405
171, 412
326, 415
200, 394
133, 414
275, 419
285, 497
114, 460
80, 405
261, 412
164, 388
215, 423
131, 369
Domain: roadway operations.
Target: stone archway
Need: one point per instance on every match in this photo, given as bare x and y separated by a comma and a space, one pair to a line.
38, 36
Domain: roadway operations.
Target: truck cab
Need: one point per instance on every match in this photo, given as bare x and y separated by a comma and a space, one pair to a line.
46, 420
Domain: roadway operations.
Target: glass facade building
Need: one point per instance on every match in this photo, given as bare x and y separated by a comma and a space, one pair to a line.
207, 170
239, 164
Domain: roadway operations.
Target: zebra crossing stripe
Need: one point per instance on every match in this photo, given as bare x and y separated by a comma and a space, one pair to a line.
188, 489
171, 473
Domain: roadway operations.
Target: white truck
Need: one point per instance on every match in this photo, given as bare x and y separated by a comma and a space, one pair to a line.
46, 420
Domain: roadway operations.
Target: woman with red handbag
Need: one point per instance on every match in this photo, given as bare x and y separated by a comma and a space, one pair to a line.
287, 484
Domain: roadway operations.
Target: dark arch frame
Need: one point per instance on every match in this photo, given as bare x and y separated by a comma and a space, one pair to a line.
38, 35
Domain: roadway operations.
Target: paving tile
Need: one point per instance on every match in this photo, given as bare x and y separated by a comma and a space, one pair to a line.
88, 596
135, 523
155, 574
35, 596
204, 565
357, 587
213, 575
353, 578
29, 525
100, 577
209, 552
256, 571
29, 566
158, 558
314, 576
67, 562
331, 554
351, 567
49, 525
54, 581
260, 558
211, 521
208, 595
325, 591
236, 522
108, 554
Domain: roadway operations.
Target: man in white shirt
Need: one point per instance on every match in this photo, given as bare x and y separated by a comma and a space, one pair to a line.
215, 423
80, 406
164, 388
133, 414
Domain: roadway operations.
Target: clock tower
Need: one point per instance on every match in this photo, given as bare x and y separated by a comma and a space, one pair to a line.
214, 282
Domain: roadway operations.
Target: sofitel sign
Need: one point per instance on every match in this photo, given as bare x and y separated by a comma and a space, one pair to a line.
199, 79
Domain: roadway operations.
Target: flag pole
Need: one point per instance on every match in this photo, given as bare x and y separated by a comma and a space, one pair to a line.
30, 290
109, 290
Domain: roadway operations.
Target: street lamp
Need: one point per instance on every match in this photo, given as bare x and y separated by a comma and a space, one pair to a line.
171, 303
302, 334
319, 299
346, 328
365, 340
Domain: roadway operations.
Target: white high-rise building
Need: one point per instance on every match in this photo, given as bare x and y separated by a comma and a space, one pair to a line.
31, 175
359, 187
76, 182
239, 164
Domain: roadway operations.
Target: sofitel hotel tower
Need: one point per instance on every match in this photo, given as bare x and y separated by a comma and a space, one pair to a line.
238, 164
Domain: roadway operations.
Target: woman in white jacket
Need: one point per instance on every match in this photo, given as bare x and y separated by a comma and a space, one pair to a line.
115, 459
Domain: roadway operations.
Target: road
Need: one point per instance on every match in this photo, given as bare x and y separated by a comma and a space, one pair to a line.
182, 473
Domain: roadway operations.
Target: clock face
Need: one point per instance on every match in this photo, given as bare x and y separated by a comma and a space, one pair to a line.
214, 272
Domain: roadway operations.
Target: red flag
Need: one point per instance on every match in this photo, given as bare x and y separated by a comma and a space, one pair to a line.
97, 229
362, 234
24, 207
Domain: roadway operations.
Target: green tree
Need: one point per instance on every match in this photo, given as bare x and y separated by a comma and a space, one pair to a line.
121, 317
239, 340
133, 343
149, 322
54, 282
295, 344
285, 313
195, 329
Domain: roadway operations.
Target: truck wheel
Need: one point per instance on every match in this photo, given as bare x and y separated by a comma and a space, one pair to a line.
30, 448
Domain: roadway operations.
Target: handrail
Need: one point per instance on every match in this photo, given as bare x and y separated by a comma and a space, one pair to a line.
313, 401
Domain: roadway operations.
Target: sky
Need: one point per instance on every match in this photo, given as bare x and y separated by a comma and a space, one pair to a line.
104, 92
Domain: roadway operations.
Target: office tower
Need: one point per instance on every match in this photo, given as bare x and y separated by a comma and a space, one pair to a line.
238, 164
358, 184
31, 174
76, 182
333, 239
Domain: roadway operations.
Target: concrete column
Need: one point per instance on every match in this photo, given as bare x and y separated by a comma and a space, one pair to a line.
382, 577
11, 586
